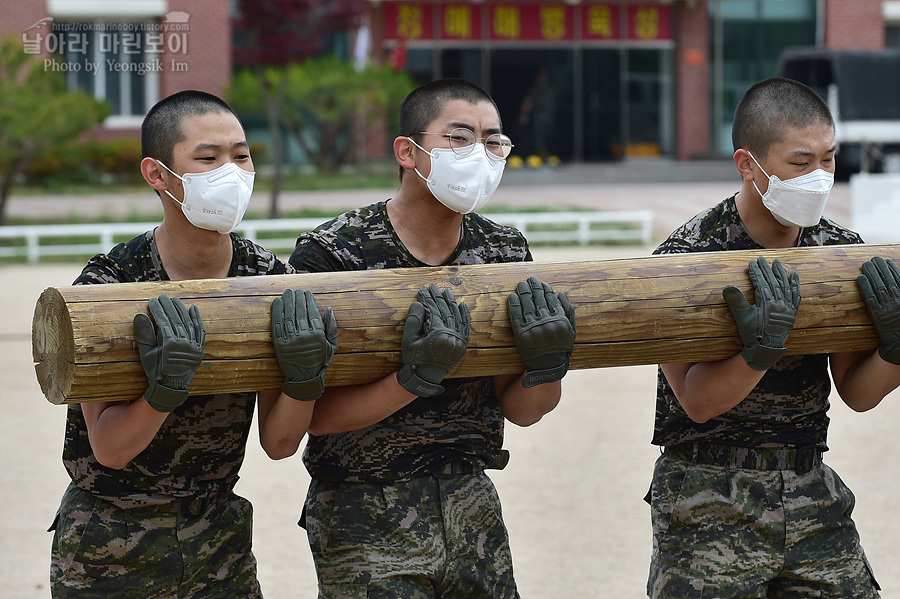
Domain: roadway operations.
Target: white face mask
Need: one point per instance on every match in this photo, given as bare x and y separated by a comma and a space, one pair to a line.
215, 200
462, 183
797, 202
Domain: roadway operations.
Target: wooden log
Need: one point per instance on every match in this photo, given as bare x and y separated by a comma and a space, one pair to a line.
630, 311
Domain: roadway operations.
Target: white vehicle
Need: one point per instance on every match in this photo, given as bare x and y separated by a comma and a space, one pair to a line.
862, 89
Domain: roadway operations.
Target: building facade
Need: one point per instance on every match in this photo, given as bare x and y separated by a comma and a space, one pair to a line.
629, 78
130, 53
613, 78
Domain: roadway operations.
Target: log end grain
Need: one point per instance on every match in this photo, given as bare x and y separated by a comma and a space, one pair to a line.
52, 345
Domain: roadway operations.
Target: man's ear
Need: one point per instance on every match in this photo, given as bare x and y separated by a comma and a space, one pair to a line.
153, 174
744, 164
405, 152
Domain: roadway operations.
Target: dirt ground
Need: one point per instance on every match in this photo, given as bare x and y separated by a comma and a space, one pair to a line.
572, 493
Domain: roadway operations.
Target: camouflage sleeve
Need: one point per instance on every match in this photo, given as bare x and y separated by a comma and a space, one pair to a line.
102, 269
311, 256
268, 264
675, 245
258, 259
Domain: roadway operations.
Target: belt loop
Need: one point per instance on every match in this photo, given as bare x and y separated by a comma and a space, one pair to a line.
806, 459
456, 467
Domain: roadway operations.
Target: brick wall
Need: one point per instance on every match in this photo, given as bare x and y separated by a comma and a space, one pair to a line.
692, 80
16, 16
206, 63
854, 24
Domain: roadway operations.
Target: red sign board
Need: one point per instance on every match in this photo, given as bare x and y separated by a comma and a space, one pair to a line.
516, 22
460, 22
408, 21
600, 22
530, 22
649, 22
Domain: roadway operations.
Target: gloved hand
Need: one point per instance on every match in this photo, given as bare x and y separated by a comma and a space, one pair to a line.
879, 286
543, 325
303, 343
765, 327
170, 352
435, 338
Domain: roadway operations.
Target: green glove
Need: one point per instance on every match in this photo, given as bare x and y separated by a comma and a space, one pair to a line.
543, 325
171, 352
303, 343
765, 327
435, 338
879, 286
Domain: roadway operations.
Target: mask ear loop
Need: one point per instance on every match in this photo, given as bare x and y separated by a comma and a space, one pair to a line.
180, 178
749, 153
415, 168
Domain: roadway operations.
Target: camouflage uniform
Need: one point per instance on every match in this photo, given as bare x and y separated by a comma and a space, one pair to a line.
402, 508
168, 523
742, 505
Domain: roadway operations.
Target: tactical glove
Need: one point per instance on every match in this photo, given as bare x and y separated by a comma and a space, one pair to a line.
543, 325
434, 341
879, 286
303, 343
765, 327
170, 352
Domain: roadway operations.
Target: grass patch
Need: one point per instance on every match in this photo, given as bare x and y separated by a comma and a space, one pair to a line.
373, 176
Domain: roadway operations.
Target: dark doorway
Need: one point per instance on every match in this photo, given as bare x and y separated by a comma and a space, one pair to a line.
602, 105
514, 75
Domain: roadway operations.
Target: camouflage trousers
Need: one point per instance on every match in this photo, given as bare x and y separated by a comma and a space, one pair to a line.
430, 537
738, 533
104, 551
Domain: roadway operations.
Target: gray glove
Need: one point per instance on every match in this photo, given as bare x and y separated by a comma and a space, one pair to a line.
879, 285
765, 327
171, 352
434, 341
303, 343
543, 325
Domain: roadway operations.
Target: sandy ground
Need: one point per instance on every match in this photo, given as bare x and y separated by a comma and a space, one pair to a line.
572, 494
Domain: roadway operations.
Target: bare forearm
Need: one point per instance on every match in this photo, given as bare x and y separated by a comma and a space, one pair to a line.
708, 389
863, 379
526, 406
119, 431
354, 407
283, 422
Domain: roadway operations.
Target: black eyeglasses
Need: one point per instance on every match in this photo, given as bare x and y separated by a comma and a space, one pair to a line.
462, 142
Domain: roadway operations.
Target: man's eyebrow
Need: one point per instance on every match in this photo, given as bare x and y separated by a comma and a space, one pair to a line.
460, 125
811, 153
207, 145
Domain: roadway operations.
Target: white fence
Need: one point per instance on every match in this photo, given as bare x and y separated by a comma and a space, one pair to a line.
875, 206
576, 228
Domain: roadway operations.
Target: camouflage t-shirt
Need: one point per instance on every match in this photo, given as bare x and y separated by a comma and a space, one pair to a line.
200, 446
789, 405
465, 420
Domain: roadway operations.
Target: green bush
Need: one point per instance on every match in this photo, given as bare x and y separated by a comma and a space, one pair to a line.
93, 162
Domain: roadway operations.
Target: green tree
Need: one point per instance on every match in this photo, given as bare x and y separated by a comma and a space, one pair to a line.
282, 33
36, 113
328, 104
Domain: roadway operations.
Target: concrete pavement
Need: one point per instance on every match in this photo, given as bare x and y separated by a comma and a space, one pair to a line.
572, 492
673, 191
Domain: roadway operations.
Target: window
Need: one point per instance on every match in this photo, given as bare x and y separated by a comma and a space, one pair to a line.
892, 35
118, 62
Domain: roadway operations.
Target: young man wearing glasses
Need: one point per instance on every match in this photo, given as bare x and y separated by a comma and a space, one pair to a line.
399, 505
